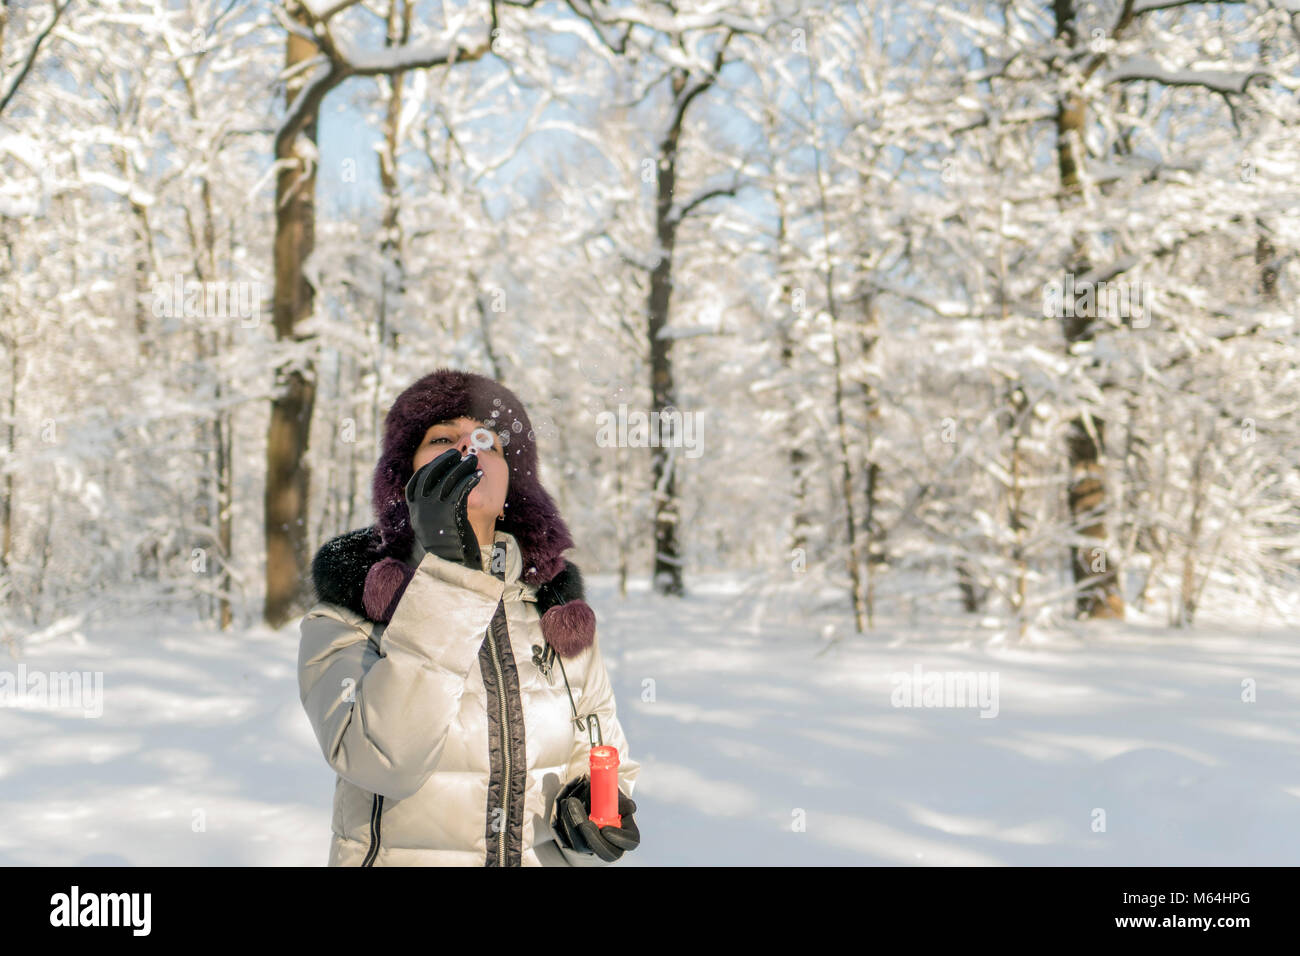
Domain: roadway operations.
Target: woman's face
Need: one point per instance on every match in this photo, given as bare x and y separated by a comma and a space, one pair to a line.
488, 497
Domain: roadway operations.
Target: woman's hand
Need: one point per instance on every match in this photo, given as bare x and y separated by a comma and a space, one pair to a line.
436, 497
580, 833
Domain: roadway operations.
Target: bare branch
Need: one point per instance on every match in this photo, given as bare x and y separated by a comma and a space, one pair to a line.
689, 92
676, 215
585, 10
31, 54
1146, 6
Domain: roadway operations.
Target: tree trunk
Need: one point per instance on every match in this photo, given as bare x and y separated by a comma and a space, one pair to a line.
11, 413
871, 401
393, 281
854, 560
1189, 591
1016, 508
330, 493
224, 439
390, 244
143, 254
288, 478
667, 570
1095, 573
623, 519
10, 342
785, 330
799, 524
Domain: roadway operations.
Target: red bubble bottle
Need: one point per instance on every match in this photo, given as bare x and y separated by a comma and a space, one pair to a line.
604, 778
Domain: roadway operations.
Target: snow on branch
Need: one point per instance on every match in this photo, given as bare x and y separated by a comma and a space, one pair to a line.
324, 9
307, 102
337, 61
678, 23
409, 57
1145, 68
668, 23
1131, 10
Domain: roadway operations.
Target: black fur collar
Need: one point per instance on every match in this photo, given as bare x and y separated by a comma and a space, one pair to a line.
339, 569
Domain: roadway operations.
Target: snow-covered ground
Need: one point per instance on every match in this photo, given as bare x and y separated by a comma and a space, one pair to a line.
756, 748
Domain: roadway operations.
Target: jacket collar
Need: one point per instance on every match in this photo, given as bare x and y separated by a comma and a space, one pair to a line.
339, 571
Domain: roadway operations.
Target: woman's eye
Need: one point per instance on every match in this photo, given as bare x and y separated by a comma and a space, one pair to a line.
495, 449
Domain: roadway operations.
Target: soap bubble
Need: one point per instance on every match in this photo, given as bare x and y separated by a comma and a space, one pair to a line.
480, 439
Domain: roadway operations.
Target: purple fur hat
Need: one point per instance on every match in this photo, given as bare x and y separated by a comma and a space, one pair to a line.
568, 623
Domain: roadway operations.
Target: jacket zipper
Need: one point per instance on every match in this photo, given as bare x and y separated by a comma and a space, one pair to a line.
376, 808
505, 745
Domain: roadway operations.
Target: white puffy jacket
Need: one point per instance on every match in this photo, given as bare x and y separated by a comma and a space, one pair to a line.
449, 743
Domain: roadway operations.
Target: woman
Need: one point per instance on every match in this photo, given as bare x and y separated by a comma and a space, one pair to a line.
450, 652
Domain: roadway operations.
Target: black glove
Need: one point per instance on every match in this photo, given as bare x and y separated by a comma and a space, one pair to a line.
577, 831
436, 498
